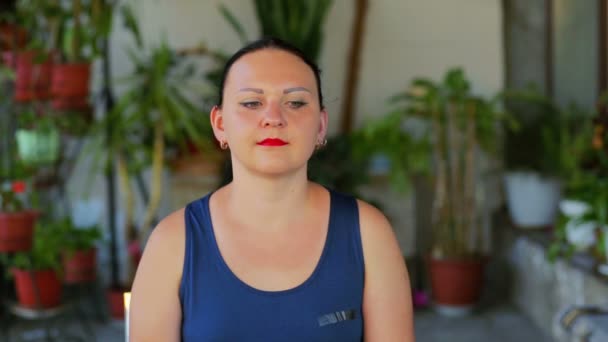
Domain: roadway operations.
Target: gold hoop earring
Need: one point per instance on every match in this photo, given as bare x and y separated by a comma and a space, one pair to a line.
224, 145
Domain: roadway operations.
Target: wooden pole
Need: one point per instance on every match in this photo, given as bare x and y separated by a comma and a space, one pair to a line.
352, 66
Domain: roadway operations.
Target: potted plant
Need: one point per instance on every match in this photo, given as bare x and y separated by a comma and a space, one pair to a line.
37, 272
79, 255
463, 126
38, 139
539, 154
457, 127
33, 61
16, 220
85, 24
583, 221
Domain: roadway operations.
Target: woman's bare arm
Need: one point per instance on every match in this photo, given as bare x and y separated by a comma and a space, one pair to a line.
387, 302
155, 312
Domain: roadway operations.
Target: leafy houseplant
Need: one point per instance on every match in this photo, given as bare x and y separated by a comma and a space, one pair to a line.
16, 221
159, 108
79, 255
540, 155
33, 60
461, 126
16, 218
82, 26
583, 223
38, 140
37, 271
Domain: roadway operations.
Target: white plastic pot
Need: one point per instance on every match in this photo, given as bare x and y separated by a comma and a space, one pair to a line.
532, 200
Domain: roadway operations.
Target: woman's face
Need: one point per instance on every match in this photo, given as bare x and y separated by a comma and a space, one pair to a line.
270, 115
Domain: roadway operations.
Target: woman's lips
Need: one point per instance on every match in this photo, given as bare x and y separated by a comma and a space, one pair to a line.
272, 142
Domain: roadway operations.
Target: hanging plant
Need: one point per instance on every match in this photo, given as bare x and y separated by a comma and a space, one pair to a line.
38, 139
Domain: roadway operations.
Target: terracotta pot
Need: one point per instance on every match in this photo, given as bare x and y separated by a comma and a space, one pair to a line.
72, 103
456, 282
116, 302
17, 231
71, 80
12, 37
80, 267
33, 78
46, 282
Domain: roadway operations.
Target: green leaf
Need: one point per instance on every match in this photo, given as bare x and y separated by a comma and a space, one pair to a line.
131, 24
234, 23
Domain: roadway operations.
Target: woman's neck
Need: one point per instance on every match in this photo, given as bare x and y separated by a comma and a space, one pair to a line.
270, 203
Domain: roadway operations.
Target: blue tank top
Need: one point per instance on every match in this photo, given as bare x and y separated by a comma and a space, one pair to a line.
218, 306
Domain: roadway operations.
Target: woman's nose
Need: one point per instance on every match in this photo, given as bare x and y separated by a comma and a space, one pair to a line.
273, 116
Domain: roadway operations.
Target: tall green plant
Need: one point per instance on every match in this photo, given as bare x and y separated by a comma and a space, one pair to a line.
300, 22
158, 108
461, 126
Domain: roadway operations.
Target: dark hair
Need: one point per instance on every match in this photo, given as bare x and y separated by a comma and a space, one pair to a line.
270, 43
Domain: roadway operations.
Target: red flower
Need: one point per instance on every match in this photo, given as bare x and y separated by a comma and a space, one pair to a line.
18, 187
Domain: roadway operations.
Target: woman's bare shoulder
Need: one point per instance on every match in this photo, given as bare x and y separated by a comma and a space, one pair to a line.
377, 234
155, 306
171, 229
386, 300
167, 240
373, 222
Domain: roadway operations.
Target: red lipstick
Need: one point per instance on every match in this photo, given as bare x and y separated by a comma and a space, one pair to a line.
272, 142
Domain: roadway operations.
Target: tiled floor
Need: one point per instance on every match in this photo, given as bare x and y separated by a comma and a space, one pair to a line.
502, 324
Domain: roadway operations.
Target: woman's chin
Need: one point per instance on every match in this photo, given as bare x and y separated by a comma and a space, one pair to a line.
277, 167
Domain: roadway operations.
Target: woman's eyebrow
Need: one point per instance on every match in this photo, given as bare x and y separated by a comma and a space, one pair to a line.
286, 91
255, 90
291, 90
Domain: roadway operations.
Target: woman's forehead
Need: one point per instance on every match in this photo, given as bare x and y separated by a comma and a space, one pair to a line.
270, 66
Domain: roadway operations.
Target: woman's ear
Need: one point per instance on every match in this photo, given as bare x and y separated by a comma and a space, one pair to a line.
217, 123
323, 125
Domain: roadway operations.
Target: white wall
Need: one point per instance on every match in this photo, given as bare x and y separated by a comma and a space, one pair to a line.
411, 38
404, 39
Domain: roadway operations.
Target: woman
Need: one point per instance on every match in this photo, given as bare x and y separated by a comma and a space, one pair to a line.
272, 256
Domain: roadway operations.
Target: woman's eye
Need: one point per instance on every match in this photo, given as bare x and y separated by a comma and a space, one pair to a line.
296, 104
251, 104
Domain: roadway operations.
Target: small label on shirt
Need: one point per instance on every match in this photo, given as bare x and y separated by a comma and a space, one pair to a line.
336, 317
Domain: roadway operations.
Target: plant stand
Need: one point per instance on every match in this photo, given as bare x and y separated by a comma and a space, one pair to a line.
52, 324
